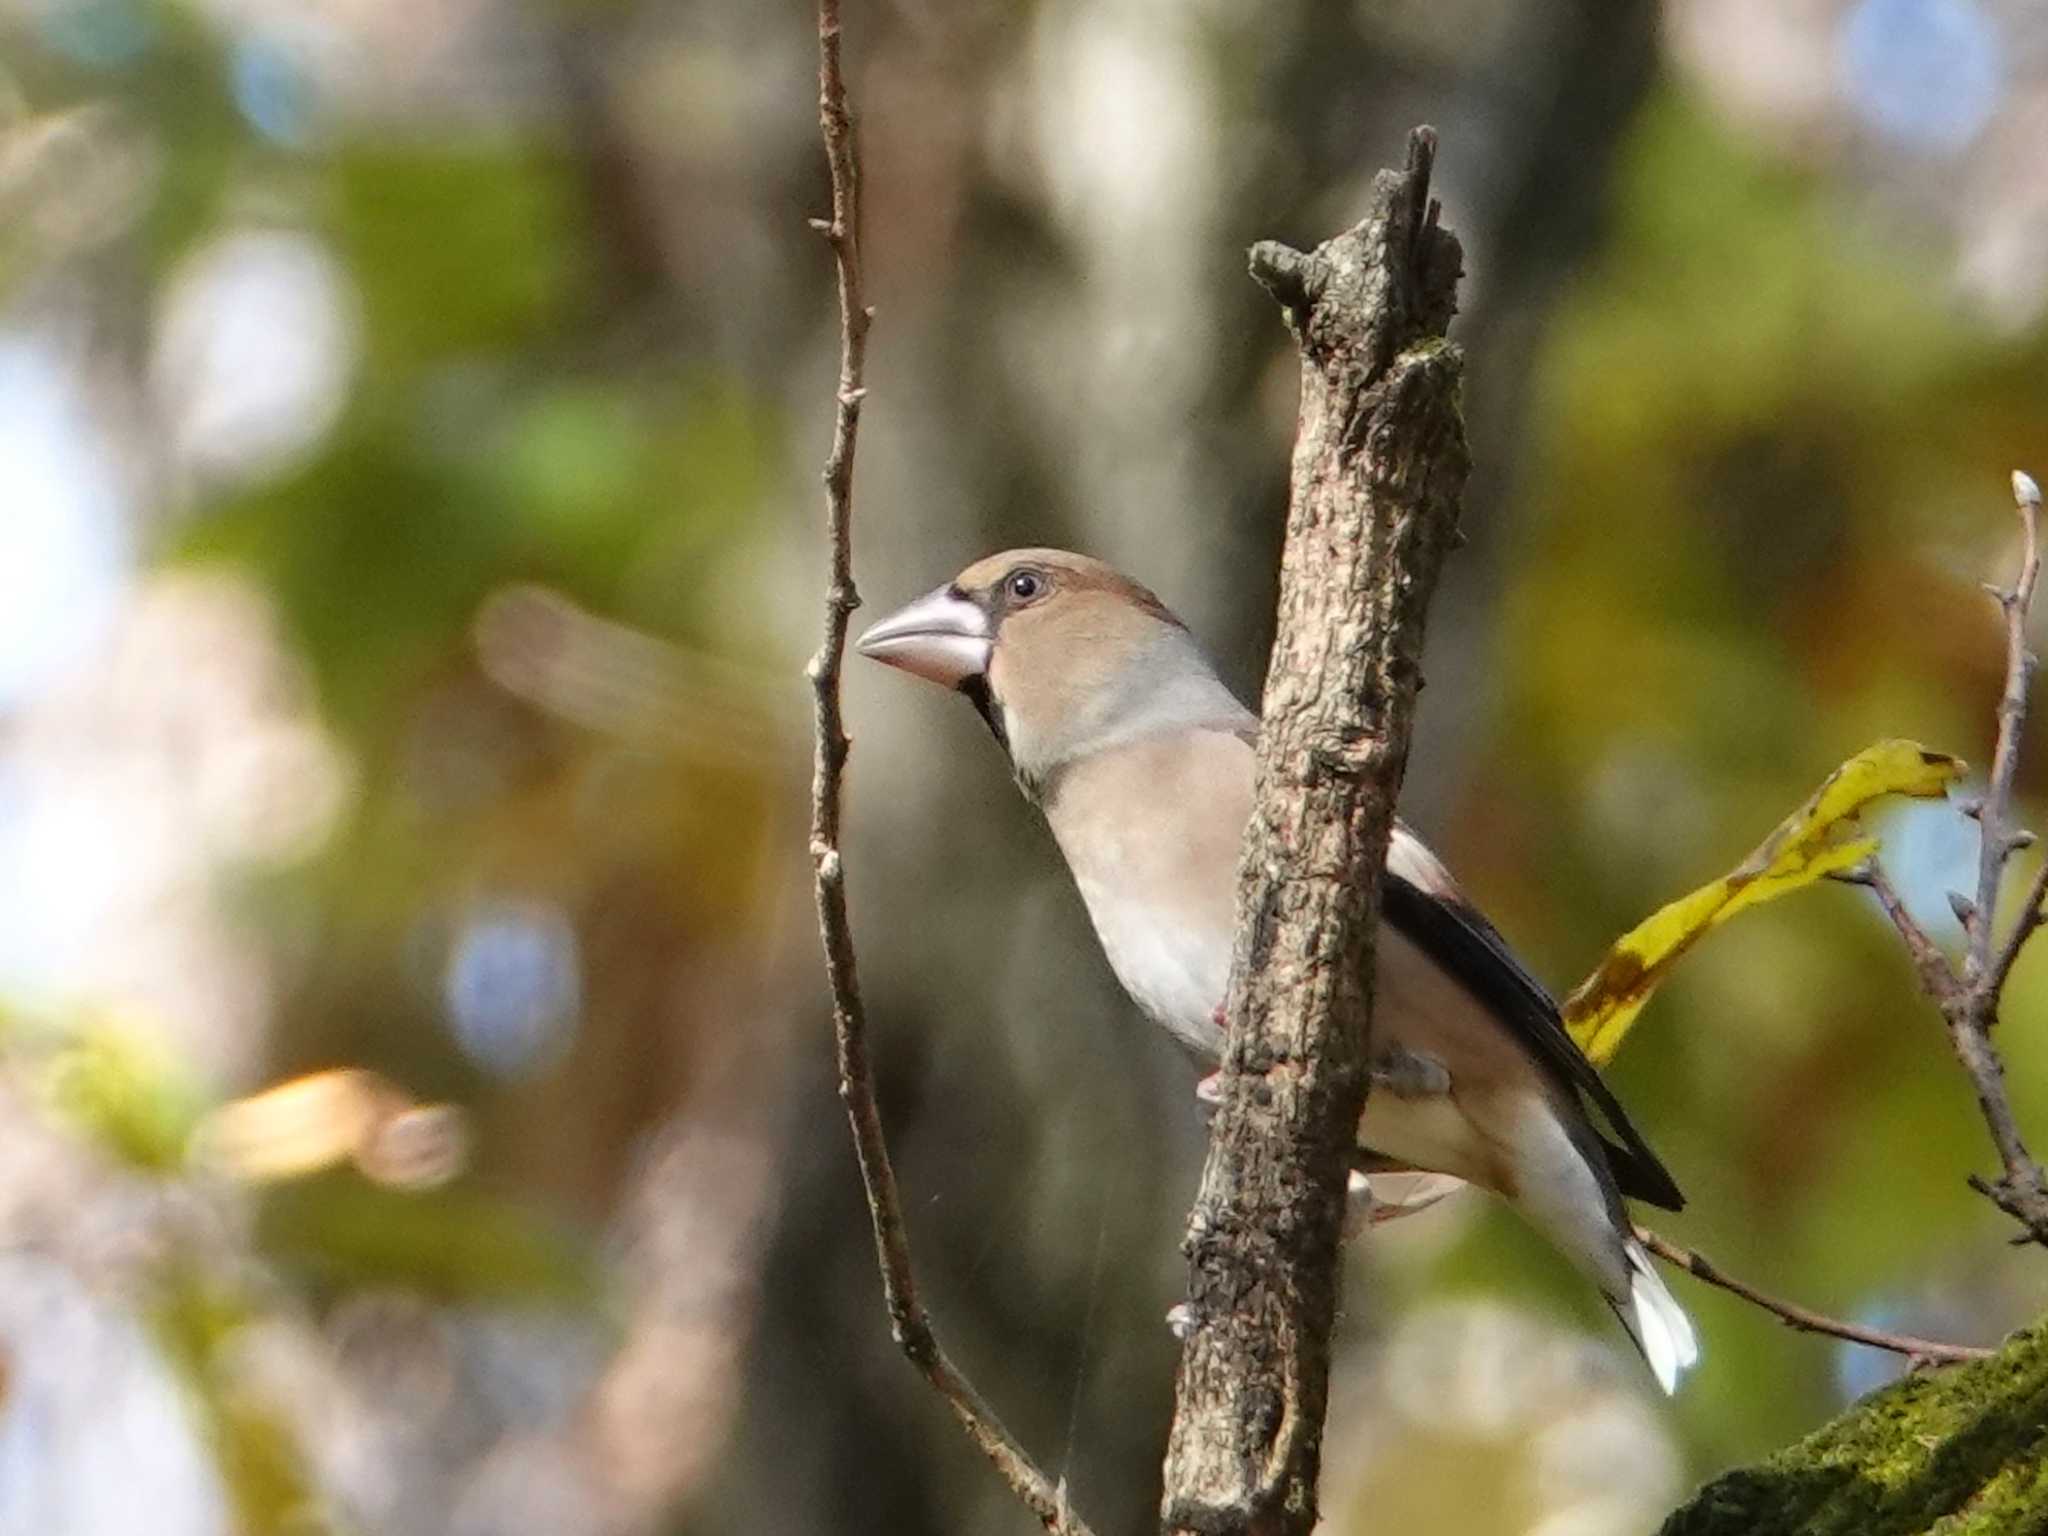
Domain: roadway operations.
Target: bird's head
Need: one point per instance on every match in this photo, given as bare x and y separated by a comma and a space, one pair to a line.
1061, 654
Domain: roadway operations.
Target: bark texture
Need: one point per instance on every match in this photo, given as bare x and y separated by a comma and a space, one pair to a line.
1961, 1451
1379, 468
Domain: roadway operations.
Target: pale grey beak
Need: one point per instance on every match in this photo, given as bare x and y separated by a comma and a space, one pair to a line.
941, 637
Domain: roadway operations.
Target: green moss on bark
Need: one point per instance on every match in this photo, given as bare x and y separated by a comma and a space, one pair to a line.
1955, 1452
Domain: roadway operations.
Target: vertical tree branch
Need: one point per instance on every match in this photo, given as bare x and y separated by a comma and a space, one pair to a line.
2000, 836
907, 1318
1969, 997
1379, 468
2022, 1191
1960, 1449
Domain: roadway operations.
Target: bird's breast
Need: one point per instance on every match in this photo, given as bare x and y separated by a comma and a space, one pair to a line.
1174, 968
1151, 832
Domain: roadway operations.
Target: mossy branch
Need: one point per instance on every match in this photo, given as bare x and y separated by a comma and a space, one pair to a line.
1959, 1452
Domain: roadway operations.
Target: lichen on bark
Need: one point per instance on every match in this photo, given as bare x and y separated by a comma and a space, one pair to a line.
1961, 1451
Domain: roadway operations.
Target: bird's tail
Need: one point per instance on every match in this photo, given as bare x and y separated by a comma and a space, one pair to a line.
1563, 1185
1654, 1319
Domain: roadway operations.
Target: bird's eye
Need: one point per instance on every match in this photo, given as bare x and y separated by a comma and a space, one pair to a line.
1023, 586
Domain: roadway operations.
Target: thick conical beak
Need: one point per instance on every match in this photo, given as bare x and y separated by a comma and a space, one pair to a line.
942, 636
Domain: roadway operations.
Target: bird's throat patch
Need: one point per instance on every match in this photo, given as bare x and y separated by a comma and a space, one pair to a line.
975, 690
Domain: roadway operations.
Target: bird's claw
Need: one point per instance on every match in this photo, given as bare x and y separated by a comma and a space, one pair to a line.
1407, 1075
1358, 1203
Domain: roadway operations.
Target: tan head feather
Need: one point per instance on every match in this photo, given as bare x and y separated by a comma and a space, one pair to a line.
1082, 658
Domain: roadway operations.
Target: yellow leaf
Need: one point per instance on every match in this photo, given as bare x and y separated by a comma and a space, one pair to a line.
344, 1114
1803, 848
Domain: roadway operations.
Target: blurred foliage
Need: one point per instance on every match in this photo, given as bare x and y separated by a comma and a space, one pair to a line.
128, 1098
198, 1324
1745, 462
124, 1091
343, 1234
1771, 476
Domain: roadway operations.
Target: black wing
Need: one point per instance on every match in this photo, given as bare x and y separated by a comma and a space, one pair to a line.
1453, 933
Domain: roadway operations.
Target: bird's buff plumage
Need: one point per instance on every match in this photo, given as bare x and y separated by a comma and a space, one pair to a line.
1119, 730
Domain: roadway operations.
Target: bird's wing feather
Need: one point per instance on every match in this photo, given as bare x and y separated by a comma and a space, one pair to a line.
1448, 928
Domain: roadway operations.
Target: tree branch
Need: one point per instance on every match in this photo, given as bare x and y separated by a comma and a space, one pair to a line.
1944, 1452
908, 1321
1999, 837
1969, 997
1379, 468
1937, 976
1700, 1267
2030, 918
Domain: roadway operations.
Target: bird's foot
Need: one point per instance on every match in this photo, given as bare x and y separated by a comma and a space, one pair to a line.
1408, 1076
1358, 1204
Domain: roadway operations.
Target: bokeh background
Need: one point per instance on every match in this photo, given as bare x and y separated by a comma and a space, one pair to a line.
409, 544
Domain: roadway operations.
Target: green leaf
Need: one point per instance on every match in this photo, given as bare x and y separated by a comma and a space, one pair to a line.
195, 1321
449, 1243
126, 1094
459, 249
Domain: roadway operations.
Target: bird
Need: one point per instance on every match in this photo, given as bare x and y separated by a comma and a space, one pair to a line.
1140, 758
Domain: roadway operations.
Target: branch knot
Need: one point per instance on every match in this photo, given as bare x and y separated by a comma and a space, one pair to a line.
1296, 279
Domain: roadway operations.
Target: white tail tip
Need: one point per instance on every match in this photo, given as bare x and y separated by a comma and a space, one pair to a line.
1658, 1324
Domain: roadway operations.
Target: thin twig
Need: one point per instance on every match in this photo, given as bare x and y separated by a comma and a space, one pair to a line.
1999, 837
1970, 1037
908, 1321
2031, 917
1937, 977
1700, 1267
2023, 1191
1969, 996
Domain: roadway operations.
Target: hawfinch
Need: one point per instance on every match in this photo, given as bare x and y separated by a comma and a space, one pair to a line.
1120, 732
